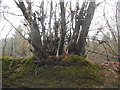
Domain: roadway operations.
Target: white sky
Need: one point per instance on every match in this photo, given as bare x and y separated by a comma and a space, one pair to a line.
98, 17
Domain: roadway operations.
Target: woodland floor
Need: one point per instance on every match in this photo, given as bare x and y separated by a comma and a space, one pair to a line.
71, 72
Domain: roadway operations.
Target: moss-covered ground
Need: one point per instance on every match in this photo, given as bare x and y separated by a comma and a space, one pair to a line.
71, 72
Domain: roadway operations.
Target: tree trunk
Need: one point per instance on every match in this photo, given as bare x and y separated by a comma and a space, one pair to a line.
63, 28
80, 46
35, 37
40, 40
118, 28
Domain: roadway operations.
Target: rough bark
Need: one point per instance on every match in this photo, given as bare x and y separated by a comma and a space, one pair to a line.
46, 42
80, 46
118, 28
63, 27
35, 37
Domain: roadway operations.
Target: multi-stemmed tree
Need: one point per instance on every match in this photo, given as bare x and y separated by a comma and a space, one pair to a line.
66, 25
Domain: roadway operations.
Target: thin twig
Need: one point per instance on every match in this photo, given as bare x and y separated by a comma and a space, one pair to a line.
12, 13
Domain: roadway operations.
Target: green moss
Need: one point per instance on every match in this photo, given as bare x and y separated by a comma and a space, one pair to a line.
28, 60
15, 70
8, 58
5, 58
72, 72
75, 60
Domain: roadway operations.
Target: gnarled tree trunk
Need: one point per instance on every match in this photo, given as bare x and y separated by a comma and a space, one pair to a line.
35, 37
44, 42
85, 29
82, 24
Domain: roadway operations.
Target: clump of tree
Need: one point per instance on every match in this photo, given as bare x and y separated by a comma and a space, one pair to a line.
63, 30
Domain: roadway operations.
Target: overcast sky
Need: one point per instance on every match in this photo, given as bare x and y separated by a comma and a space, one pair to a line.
98, 17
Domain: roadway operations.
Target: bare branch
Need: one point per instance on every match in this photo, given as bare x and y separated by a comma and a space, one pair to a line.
12, 13
15, 28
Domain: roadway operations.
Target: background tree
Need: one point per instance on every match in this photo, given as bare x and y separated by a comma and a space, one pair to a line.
16, 46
